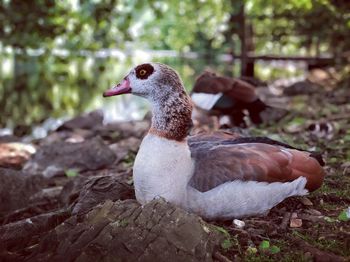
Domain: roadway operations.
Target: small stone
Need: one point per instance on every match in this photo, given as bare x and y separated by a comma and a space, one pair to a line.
75, 138
306, 202
296, 222
294, 215
313, 212
308, 255
283, 210
312, 218
55, 158
15, 155
238, 223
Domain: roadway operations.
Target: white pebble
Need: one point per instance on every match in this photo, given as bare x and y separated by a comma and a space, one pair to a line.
239, 223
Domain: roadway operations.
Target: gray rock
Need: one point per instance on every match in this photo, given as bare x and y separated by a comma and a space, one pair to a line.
76, 135
85, 121
301, 88
46, 194
120, 130
71, 190
14, 237
9, 139
125, 231
59, 157
16, 189
98, 189
125, 146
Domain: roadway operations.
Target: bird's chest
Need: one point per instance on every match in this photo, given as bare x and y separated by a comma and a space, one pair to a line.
162, 168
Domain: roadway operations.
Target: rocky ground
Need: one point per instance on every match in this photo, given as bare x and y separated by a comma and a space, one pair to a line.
69, 196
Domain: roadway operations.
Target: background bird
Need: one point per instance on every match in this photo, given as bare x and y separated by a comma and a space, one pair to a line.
225, 96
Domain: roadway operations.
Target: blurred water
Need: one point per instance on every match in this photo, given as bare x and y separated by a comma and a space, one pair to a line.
41, 88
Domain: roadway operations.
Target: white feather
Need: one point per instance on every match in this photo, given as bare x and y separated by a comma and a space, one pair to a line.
164, 167
204, 100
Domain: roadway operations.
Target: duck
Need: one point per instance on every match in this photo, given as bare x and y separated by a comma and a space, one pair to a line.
218, 176
221, 95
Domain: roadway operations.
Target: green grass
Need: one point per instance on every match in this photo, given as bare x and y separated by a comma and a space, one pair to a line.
285, 254
331, 245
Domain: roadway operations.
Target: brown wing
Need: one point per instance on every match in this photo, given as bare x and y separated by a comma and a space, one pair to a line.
243, 91
234, 88
210, 83
214, 136
217, 163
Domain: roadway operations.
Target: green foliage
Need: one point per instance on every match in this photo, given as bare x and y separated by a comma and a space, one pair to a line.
266, 247
71, 173
275, 249
333, 245
121, 223
229, 240
204, 26
226, 244
343, 216
40, 83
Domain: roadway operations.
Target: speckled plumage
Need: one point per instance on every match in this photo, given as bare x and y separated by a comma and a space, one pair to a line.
171, 107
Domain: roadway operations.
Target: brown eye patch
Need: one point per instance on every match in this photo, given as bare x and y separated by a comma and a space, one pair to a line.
144, 71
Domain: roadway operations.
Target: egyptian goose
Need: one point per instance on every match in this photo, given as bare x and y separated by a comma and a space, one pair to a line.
227, 96
215, 176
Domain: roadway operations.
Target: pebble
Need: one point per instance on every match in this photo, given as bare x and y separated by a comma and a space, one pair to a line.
306, 202
312, 218
296, 222
238, 223
313, 212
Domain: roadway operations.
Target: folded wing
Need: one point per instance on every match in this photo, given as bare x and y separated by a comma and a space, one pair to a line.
217, 162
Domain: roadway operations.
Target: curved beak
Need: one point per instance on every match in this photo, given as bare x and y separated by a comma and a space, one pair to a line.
122, 88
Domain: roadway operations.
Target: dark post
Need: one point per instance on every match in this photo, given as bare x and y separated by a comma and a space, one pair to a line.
242, 36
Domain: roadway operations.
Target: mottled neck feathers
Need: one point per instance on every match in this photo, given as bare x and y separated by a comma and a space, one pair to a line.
172, 116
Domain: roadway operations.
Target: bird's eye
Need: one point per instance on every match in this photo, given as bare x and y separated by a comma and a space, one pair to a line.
142, 72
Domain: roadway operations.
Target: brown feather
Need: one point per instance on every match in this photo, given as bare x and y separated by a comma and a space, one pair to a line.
234, 88
217, 163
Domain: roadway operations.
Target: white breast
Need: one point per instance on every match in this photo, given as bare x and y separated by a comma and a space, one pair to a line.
162, 168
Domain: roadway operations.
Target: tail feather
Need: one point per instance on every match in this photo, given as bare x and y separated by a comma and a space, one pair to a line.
303, 164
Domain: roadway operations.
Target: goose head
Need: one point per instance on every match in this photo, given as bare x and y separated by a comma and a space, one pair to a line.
163, 88
153, 81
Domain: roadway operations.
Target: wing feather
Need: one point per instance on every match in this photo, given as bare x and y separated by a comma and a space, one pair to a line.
218, 162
